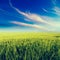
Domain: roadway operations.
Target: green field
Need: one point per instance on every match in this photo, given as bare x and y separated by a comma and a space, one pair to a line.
29, 46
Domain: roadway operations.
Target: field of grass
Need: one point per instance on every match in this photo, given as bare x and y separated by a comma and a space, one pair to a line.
29, 46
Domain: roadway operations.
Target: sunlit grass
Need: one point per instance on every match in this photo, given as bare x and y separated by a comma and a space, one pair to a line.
30, 46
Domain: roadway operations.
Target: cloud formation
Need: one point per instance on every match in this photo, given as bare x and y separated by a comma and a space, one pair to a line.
29, 25
31, 16
36, 18
56, 10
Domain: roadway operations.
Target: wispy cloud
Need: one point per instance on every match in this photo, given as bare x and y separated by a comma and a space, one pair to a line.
30, 25
55, 22
56, 10
31, 16
34, 17
45, 10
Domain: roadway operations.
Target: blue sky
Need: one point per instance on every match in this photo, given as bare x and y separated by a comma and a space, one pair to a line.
29, 15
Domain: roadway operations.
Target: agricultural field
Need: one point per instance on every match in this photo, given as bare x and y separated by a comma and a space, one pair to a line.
29, 46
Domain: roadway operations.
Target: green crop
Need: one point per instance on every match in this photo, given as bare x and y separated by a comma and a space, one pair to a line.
29, 46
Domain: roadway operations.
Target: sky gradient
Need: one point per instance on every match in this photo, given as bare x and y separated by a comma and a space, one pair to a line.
30, 15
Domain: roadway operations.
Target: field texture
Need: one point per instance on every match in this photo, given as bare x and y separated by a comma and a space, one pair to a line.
29, 46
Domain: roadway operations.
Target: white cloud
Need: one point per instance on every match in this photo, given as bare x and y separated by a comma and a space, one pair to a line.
56, 10
31, 16
35, 18
30, 25
54, 21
